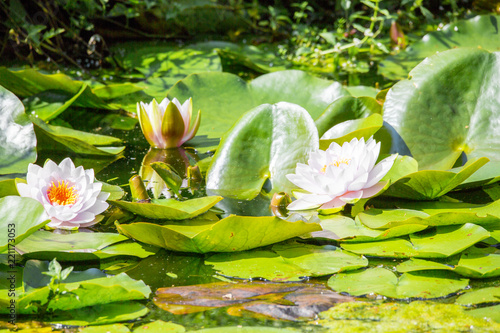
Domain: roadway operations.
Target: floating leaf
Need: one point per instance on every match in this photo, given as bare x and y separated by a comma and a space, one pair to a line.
53, 138
265, 144
169, 209
346, 108
348, 230
118, 328
160, 326
483, 295
233, 233
428, 284
17, 138
478, 32
439, 243
431, 184
486, 313
79, 291
289, 262
350, 129
20, 218
458, 118
81, 246
8, 187
431, 214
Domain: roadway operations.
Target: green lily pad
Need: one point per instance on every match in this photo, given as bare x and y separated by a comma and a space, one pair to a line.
345, 229
119, 328
54, 138
81, 246
232, 97
233, 233
160, 326
17, 138
428, 284
483, 295
100, 314
82, 289
287, 262
350, 129
169, 209
486, 313
431, 214
478, 32
8, 187
265, 144
458, 118
20, 218
431, 184
442, 242
346, 108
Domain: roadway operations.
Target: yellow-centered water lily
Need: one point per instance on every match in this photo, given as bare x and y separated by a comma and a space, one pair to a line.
167, 125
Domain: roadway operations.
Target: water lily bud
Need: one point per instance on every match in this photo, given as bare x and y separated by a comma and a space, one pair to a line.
137, 189
167, 124
281, 199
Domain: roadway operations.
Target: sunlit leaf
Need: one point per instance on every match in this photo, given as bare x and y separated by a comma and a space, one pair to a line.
17, 138
265, 144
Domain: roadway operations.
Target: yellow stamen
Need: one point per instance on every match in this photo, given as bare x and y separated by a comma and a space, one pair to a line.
60, 194
336, 163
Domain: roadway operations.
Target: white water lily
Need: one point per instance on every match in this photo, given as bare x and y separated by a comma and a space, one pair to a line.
340, 175
166, 125
69, 195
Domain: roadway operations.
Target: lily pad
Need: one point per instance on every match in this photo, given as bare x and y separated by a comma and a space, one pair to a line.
265, 144
480, 296
233, 233
431, 184
345, 229
428, 284
169, 209
20, 218
8, 187
232, 97
288, 262
478, 32
431, 214
458, 118
487, 313
81, 246
346, 108
17, 137
442, 242
160, 326
80, 292
350, 129
53, 138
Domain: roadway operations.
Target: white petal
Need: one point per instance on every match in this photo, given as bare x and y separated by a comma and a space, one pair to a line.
301, 204
335, 203
380, 170
351, 197
24, 190
374, 190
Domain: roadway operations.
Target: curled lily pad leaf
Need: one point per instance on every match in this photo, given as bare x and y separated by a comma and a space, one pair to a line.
431, 214
52, 138
288, 262
483, 295
169, 209
17, 138
20, 218
350, 129
428, 284
8, 187
439, 243
82, 246
344, 109
233, 233
431, 184
463, 117
265, 144
346, 229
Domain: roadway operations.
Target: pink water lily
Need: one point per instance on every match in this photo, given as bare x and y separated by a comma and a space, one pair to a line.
167, 125
69, 195
340, 175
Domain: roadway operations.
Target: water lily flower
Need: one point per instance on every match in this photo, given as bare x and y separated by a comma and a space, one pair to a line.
166, 125
69, 195
340, 175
